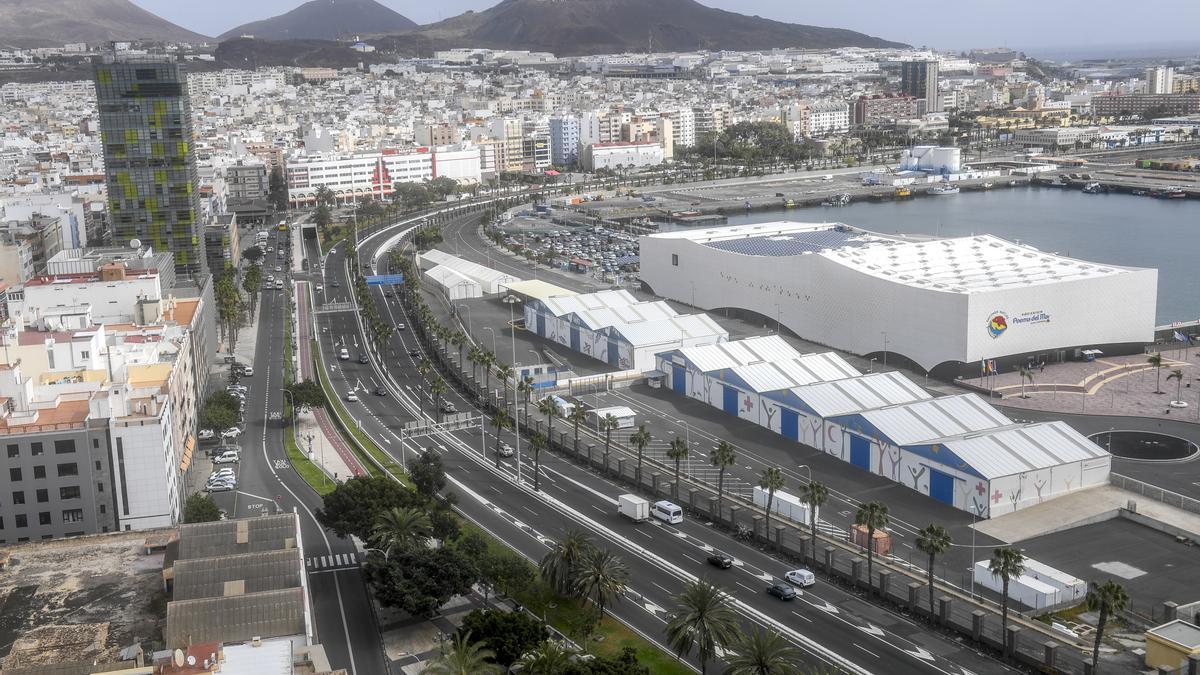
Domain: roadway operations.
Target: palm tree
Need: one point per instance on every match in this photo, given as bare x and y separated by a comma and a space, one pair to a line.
500, 420
1107, 598
1026, 374
464, 658
1177, 374
1006, 563
505, 373
764, 652
678, 451
1156, 360
489, 360
578, 415
525, 387
436, 388
475, 357
771, 480
458, 339
538, 441
933, 540
549, 408
558, 565
601, 578
704, 619
640, 440
723, 456
550, 658
874, 516
401, 526
815, 495
608, 424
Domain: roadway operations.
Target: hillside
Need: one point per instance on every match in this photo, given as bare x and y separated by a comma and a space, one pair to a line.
326, 20
255, 53
579, 27
47, 23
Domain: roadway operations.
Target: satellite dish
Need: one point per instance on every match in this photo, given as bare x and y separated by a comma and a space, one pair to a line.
135, 243
191, 660
178, 658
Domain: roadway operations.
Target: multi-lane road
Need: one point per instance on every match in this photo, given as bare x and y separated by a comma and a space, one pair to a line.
833, 627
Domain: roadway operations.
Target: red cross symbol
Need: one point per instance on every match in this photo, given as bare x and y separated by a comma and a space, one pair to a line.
997, 496
979, 489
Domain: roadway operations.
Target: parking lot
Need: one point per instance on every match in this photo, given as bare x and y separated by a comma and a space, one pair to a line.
601, 252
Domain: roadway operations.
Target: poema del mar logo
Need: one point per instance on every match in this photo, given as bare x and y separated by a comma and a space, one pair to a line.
997, 324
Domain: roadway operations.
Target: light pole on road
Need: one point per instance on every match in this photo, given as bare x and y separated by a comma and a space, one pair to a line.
511, 301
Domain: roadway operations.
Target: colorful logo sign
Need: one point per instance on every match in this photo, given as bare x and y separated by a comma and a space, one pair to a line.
997, 324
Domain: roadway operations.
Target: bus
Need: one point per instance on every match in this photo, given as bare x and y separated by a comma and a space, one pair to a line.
283, 226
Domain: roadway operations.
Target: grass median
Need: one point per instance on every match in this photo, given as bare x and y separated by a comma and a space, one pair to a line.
310, 472
344, 420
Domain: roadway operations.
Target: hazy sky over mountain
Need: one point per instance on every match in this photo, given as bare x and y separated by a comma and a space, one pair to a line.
937, 23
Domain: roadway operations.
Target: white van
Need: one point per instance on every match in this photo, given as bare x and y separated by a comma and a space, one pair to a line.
344, 354
667, 512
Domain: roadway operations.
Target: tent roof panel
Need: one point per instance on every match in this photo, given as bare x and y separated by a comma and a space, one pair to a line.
768, 348
911, 423
856, 394
1024, 447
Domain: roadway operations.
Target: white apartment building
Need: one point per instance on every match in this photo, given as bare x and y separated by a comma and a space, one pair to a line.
683, 127
372, 175
1160, 80
110, 296
828, 117
621, 153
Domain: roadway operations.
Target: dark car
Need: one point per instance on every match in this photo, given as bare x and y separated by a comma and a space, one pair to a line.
335, 283
362, 358
381, 391
781, 590
414, 352
718, 559
448, 407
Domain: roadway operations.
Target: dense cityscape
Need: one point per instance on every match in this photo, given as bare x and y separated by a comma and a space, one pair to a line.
361, 349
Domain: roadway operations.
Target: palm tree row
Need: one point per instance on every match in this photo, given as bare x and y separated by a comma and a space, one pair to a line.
577, 568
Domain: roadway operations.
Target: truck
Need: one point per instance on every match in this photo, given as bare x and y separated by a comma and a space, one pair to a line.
633, 507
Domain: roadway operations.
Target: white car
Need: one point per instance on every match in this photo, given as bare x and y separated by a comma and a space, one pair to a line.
352, 397
506, 450
801, 577
206, 434
320, 287
229, 457
231, 432
219, 473
220, 487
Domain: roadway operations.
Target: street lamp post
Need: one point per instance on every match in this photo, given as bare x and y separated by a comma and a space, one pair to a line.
469, 329
885, 343
493, 332
511, 301
871, 368
809, 468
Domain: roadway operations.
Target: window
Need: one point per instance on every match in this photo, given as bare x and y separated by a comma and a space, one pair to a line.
39, 471
96, 444
99, 487
13, 451
18, 498
103, 511
72, 515
64, 447
85, 355
69, 492
44, 518
70, 469
98, 467
35, 449
675, 259
43, 496
14, 474
22, 521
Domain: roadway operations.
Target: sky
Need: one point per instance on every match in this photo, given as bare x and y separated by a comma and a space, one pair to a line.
942, 24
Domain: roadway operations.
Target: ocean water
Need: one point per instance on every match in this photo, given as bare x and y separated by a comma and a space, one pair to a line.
1116, 229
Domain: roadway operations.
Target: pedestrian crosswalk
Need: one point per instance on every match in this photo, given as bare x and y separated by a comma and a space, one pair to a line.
319, 563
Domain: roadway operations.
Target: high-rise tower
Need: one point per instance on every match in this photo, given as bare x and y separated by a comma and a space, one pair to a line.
149, 161
920, 79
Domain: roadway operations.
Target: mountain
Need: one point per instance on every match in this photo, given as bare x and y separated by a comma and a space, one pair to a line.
579, 27
47, 23
326, 20
254, 53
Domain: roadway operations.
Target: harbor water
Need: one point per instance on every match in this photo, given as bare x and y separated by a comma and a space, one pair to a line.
1116, 229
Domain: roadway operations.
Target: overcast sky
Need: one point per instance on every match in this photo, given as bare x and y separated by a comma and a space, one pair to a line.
936, 23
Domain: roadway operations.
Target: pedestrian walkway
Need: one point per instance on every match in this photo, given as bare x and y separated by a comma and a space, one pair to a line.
315, 431
332, 563
1117, 385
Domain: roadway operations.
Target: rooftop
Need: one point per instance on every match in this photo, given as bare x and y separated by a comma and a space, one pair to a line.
1180, 632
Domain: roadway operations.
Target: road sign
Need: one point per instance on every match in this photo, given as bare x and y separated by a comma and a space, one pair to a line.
385, 279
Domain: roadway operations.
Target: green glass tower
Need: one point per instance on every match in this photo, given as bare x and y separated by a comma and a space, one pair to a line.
149, 161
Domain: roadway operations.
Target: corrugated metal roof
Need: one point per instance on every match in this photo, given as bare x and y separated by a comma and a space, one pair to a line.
447, 277
236, 618
922, 421
856, 394
1025, 447
208, 540
484, 275
710, 358
611, 316
807, 369
674, 329
206, 577
562, 306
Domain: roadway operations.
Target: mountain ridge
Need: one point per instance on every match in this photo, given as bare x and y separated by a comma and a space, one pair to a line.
326, 20
48, 23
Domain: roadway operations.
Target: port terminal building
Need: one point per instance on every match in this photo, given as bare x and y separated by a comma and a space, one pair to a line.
944, 305
959, 450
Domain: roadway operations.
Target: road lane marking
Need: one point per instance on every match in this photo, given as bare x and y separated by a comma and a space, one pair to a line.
866, 650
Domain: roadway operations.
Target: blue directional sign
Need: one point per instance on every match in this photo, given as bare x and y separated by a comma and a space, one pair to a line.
385, 280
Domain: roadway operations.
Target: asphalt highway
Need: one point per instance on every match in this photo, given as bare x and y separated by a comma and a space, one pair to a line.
833, 627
